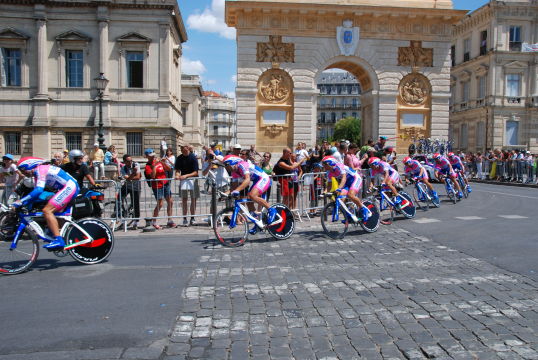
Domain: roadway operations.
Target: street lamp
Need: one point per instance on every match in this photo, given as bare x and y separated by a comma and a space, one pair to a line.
100, 83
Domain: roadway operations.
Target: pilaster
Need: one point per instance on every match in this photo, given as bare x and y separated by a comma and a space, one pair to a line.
164, 60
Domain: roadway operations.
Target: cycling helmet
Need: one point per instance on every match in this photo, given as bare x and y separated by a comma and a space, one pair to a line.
329, 160
450, 154
29, 163
231, 160
389, 149
75, 154
374, 161
437, 156
406, 160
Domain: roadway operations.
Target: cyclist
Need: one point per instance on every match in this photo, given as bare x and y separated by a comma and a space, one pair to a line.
350, 182
53, 178
417, 171
260, 183
390, 177
443, 166
457, 164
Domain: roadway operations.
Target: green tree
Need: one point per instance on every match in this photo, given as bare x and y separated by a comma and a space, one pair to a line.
348, 128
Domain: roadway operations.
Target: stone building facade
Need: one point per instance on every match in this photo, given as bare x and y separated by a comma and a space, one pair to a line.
51, 52
398, 50
220, 119
494, 78
193, 111
339, 97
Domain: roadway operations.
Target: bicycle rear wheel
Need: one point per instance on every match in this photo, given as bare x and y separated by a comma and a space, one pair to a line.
20, 259
419, 194
372, 224
410, 210
97, 250
8, 225
284, 229
231, 237
334, 224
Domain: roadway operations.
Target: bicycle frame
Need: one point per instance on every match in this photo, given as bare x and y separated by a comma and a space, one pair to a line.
27, 220
421, 191
340, 203
240, 206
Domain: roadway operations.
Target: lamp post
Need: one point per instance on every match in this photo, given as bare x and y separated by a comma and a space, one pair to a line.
100, 83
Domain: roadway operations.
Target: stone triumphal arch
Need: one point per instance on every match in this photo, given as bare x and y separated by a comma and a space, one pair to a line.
399, 50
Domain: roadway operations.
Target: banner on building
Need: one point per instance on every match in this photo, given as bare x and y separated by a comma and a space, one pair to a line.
529, 47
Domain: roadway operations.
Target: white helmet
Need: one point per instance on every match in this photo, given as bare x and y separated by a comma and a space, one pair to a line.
75, 154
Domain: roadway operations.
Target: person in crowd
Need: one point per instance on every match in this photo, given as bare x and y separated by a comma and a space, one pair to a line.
351, 160
267, 168
131, 174
10, 176
155, 173
254, 156
284, 169
57, 159
77, 169
315, 157
369, 145
97, 158
111, 158
478, 160
215, 150
187, 168
380, 145
529, 160
301, 153
65, 156
170, 160
297, 173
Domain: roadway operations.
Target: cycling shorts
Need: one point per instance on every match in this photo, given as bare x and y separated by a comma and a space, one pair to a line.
355, 185
423, 176
262, 185
62, 198
457, 167
395, 177
447, 172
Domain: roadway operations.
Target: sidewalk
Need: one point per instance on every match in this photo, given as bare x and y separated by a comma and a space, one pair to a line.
506, 183
387, 295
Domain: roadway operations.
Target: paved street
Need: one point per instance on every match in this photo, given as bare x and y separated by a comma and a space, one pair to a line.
410, 291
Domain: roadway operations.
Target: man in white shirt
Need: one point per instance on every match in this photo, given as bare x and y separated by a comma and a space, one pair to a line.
9, 175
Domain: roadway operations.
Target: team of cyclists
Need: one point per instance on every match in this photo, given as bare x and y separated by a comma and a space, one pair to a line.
66, 182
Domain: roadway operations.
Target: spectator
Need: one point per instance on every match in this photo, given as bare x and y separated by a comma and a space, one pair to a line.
170, 160
478, 164
57, 159
131, 173
295, 178
186, 167
65, 157
214, 150
77, 169
391, 156
267, 168
301, 153
111, 158
155, 172
254, 155
380, 145
10, 176
97, 158
283, 169
236, 150
351, 160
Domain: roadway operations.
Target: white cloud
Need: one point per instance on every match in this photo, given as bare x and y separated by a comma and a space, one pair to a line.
192, 67
212, 20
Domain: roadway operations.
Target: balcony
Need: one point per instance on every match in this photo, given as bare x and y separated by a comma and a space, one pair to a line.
515, 46
220, 133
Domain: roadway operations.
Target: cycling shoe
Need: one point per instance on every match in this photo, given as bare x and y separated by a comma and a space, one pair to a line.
469, 189
57, 244
254, 230
365, 214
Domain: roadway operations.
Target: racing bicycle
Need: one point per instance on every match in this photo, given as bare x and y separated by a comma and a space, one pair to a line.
388, 209
338, 214
88, 240
450, 189
422, 195
461, 182
231, 225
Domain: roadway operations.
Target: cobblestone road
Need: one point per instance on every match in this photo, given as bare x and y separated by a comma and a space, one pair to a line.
388, 295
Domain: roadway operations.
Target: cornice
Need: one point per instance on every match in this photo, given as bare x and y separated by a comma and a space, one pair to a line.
322, 20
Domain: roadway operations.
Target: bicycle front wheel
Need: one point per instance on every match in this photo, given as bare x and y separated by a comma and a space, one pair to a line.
97, 250
421, 199
230, 236
451, 193
372, 224
335, 224
20, 259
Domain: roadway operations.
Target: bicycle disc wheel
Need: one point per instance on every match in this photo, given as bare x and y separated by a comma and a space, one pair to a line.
20, 259
421, 199
97, 250
231, 237
284, 229
335, 225
410, 210
372, 224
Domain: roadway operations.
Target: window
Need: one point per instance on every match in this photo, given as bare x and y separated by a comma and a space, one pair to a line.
13, 143
344, 115
480, 134
215, 116
511, 132
355, 103
10, 67
466, 49
135, 69
483, 42
512, 85
333, 118
184, 115
481, 87
215, 130
515, 38
322, 119
453, 54
354, 114
134, 143
333, 102
73, 140
74, 62
465, 92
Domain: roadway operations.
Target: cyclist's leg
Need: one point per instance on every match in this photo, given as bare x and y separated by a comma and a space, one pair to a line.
57, 203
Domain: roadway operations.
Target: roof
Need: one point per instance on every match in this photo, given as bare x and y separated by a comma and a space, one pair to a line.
211, 94
426, 4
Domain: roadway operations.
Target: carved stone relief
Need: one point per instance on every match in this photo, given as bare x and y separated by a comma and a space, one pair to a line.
415, 55
414, 89
275, 86
275, 51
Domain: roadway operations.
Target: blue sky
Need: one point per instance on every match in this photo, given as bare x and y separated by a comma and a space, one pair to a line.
211, 50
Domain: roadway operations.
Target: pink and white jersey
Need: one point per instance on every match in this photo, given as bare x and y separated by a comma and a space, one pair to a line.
383, 167
442, 164
455, 160
339, 170
413, 168
54, 178
256, 173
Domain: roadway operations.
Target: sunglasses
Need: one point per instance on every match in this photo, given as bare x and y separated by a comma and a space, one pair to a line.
266, 156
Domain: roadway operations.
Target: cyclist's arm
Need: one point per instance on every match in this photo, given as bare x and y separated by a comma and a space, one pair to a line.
343, 181
244, 184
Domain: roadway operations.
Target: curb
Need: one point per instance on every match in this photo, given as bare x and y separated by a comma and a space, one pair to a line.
531, 186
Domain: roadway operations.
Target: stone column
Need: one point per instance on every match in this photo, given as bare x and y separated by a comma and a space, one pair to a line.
42, 71
164, 60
